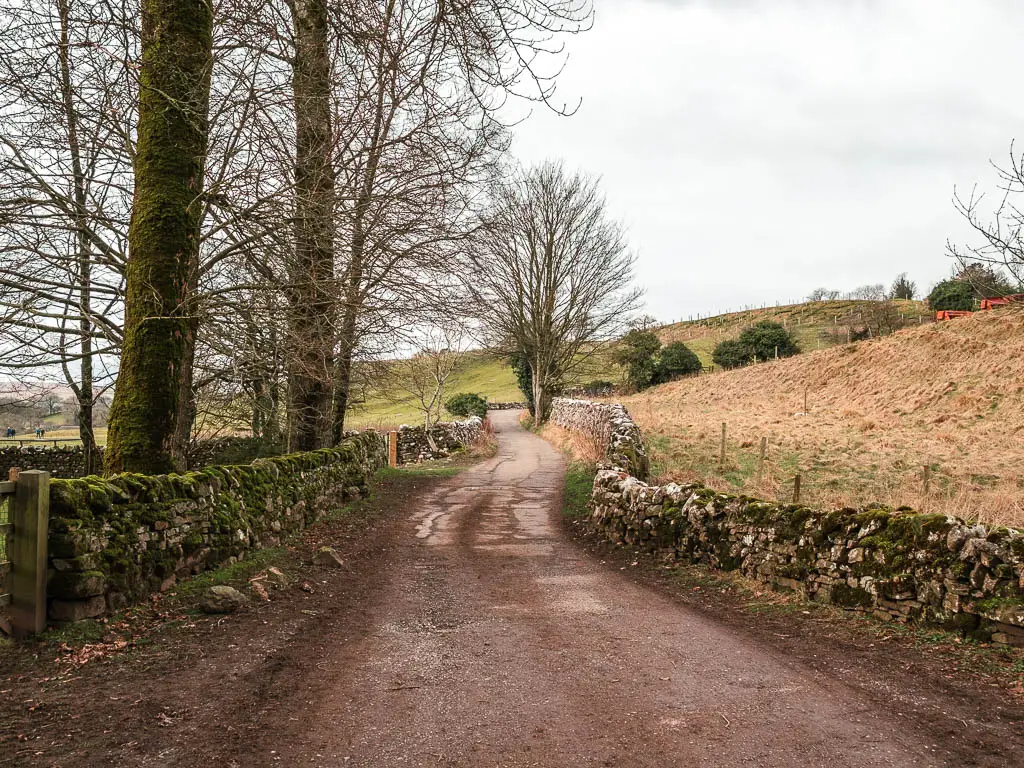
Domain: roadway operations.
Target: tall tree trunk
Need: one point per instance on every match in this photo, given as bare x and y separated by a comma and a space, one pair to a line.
83, 388
163, 238
311, 329
347, 335
541, 392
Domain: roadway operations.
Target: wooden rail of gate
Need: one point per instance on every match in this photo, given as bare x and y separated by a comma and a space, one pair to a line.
24, 521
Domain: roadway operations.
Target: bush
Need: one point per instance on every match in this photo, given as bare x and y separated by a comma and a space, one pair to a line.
635, 353
676, 359
765, 340
762, 341
952, 294
903, 287
467, 404
731, 354
524, 377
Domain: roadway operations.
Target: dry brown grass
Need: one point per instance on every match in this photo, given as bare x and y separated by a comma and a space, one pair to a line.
947, 395
577, 445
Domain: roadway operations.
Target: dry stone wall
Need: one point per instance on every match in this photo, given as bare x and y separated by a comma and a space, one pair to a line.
896, 564
506, 406
59, 461
611, 426
69, 461
416, 444
114, 541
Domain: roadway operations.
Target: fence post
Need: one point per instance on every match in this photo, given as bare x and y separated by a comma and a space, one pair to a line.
392, 449
28, 552
796, 489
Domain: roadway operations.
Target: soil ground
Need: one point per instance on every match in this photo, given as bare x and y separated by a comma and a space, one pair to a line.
468, 628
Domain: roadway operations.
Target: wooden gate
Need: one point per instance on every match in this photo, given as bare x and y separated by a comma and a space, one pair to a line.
24, 520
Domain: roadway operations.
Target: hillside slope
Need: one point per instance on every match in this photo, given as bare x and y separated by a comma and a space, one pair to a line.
815, 324
946, 395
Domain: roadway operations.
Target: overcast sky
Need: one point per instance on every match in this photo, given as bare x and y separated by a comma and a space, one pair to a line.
757, 149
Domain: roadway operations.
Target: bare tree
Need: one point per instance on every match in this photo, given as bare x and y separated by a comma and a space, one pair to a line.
422, 86
66, 89
824, 294
551, 275
999, 235
870, 292
424, 375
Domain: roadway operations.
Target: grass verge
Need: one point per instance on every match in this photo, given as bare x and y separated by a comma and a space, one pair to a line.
579, 483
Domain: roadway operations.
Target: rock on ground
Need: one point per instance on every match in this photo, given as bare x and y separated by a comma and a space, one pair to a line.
222, 599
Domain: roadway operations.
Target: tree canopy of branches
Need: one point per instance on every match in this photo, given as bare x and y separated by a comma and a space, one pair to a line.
316, 166
999, 235
551, 275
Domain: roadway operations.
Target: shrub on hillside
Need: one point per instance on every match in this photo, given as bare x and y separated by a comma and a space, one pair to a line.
903, 287
676, 359
763, 341
636, 353
731, 354
767, 340
952, 295
467, 404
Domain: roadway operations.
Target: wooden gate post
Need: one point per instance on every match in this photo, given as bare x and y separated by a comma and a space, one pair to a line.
392, 449
30, 520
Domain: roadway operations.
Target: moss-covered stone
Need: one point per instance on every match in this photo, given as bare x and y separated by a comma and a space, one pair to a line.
134, 534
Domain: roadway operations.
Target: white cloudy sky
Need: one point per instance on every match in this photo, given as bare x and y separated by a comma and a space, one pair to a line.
757, 149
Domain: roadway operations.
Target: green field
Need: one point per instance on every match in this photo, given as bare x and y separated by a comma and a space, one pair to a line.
483, 374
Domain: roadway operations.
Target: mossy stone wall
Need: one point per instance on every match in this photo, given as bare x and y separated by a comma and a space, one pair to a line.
896, 564
415, 444
116, 540
59, 461
610, 426
69, 461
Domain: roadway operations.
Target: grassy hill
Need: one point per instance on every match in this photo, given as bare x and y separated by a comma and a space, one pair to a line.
943, 395
479, 373
815, 324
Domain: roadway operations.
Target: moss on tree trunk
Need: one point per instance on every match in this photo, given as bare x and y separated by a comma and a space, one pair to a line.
311, 328
163, 238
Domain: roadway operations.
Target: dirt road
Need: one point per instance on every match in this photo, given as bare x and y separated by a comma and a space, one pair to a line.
496, 643
471, 630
